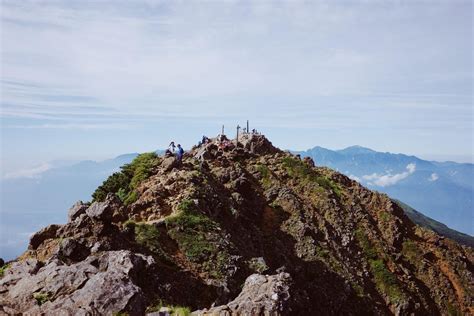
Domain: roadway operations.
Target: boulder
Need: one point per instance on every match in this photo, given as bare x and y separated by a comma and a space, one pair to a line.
76, 210
261, 295
103, 211
71, 249
100, 285
169, 163
38, 238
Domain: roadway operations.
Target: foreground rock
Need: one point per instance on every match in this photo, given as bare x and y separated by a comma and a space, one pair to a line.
261, 295
103, 284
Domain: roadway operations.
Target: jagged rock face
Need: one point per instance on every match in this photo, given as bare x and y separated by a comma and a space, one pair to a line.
261, 295
194, 233
101, 284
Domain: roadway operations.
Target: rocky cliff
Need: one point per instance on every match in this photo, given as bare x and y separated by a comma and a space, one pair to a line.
247, 230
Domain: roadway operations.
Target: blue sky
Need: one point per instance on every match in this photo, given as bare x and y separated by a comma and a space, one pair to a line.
94, 79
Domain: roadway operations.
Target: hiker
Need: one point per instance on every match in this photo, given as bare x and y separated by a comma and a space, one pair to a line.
205, 139
180, 153
171, 147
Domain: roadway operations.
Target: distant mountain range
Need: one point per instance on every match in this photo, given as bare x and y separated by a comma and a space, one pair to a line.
442, 191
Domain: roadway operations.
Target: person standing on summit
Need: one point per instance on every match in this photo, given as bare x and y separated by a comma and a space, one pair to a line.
171, 147
180, 153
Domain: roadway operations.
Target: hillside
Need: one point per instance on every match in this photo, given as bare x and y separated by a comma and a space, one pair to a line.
409, 179
237, 230
440, 228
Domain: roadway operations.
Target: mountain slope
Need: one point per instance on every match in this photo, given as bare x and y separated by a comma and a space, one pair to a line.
199, 233
440, 228
409, 179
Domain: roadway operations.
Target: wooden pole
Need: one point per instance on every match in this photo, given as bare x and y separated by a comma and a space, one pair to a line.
222, 130
238, 128
248, 131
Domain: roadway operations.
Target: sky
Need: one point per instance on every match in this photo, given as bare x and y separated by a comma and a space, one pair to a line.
96, 79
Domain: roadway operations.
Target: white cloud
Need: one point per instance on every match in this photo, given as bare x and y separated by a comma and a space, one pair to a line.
389, 179
433, 177
31, 173
356, 178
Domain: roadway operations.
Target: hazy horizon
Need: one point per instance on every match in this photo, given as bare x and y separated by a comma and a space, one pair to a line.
92, 80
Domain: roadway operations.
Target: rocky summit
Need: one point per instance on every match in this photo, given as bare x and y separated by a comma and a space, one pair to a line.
237, 229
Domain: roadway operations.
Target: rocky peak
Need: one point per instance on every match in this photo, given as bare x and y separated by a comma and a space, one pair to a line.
243, 227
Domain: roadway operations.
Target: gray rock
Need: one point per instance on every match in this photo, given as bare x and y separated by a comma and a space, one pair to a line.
71, 249
103, 211
99, 285
76, 210
261, 295
169, 163
46, 233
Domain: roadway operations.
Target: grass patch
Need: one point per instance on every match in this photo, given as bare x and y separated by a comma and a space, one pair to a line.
266, 175
125, 182
384, 216
3, 269
257, 265
385, 281
41, 297
452, 310
198, 238
148, 236
369, 251
174, 310
298, 169
411, 251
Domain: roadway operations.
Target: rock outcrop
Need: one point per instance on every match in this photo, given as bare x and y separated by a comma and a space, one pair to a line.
102, 284
261, 295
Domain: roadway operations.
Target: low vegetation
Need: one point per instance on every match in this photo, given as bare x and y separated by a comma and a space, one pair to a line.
173, 310
198, 238
41, 297
265, 173
3, 269
148, 236
410, 250
384, 280
298, 169
125, 182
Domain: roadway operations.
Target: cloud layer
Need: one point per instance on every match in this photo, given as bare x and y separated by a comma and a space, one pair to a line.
389, 179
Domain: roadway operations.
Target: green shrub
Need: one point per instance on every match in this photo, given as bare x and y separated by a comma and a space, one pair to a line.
180, 311
3, 269
369, 251
125, 182
385, 281
174, 310
198, 238
265, 173
411, 251
148, 236
41, 297
114, 183
384, 216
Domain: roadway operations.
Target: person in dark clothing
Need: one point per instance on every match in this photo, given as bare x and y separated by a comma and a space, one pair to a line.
179, 153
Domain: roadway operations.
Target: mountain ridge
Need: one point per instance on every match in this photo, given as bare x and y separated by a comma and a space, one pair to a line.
204, 231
